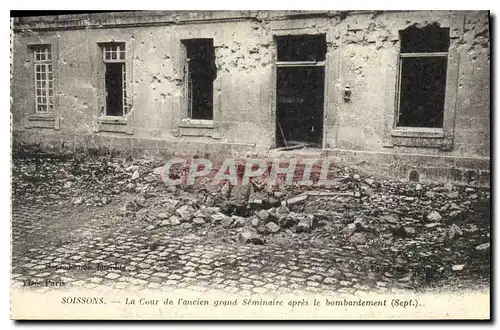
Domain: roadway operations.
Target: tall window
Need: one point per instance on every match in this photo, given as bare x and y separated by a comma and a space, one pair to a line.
199, 78
113, 55
44, 89
422, 76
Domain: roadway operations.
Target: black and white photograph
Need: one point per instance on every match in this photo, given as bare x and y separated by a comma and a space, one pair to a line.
262, 164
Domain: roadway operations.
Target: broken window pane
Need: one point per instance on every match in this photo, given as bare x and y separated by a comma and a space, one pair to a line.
200, 76
423, 84
430, 38
301, 48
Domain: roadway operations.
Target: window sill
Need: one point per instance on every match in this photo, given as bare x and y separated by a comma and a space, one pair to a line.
420, 137
113, 120
196, 123
418, 132
198, 127
42, 117
41, 120
115, 124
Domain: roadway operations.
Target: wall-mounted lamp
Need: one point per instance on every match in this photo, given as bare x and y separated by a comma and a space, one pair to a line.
346, 94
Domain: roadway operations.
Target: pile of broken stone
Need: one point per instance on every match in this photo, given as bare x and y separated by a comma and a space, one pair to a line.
253, 229
431, 229
394, 225
56, 179
356, 209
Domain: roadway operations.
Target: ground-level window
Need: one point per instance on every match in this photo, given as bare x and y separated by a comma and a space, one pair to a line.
44, 88
113, 55
199, 78
422, 76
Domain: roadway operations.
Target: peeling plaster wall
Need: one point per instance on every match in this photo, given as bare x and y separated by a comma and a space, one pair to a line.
363, 50
368, 59
472, 125
244, 67
242, 86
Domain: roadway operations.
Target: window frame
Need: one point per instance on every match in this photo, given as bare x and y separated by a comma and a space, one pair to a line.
49, 79
183, 126
188, 85
427, 137
403, 56
34, 118
188, 120
116, 124
121, 60
331, 57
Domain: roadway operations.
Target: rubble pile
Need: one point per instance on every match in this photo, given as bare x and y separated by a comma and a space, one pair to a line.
413, 232
80, 179
409, 232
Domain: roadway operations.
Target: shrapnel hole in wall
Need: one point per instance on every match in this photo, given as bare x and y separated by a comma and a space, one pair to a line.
423, 76
414, 176
200, 75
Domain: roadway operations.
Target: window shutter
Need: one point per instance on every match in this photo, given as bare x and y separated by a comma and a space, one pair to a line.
188, 89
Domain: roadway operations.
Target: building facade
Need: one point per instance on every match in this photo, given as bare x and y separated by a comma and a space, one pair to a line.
404, 93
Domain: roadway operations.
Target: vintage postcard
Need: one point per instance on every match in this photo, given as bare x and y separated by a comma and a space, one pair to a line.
182, 165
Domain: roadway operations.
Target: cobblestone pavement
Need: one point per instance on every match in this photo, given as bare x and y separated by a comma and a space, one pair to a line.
121, 253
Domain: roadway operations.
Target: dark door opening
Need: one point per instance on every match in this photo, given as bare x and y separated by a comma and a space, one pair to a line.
299, 105
114, 89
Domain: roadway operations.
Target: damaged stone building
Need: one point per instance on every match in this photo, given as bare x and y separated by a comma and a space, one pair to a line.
402, 93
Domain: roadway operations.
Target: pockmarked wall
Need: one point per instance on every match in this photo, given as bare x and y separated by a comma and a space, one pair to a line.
363, 50
365, 57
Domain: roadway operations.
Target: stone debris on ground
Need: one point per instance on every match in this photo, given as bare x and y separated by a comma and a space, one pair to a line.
484, 246
412, 231
434, 216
